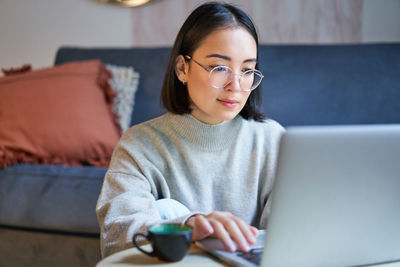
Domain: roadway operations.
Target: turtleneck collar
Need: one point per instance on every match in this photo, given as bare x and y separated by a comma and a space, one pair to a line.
210, 137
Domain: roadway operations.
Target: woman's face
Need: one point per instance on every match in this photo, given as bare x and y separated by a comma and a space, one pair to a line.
232, 47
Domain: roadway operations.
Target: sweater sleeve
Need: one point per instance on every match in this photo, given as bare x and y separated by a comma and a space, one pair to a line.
127, 202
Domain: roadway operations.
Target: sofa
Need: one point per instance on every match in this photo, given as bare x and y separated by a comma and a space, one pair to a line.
47, 211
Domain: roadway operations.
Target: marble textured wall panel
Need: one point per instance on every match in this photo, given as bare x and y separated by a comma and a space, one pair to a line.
277, 21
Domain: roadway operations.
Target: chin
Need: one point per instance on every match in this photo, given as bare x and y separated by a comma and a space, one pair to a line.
228, 116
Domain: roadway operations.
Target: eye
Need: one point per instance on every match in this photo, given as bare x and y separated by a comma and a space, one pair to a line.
220, 68
247, 72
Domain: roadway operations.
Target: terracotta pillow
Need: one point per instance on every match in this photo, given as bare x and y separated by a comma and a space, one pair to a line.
58, 115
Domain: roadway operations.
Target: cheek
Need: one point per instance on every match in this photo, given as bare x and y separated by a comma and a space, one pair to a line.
201, 81
201, 94
199, 88
246, 97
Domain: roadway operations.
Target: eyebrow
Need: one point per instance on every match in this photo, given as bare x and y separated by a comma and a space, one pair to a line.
229, 59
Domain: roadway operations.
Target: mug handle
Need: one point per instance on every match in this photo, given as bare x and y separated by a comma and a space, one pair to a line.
146, 236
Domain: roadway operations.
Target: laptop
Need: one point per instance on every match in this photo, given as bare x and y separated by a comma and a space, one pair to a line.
335, 201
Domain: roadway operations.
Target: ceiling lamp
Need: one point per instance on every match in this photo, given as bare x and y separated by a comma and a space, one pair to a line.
131, 3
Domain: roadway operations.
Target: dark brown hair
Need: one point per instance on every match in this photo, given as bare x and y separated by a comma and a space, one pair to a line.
201, 22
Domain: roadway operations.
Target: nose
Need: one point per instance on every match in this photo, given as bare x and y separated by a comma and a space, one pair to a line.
234, 84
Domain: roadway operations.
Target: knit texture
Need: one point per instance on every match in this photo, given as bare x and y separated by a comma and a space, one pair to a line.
225, 167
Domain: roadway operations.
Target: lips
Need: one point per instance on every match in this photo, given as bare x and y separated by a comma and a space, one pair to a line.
230, 103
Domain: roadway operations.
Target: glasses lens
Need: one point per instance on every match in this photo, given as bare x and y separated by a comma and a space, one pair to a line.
250, 80
220, 76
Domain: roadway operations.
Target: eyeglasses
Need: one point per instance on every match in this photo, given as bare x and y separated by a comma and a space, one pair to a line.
221, 76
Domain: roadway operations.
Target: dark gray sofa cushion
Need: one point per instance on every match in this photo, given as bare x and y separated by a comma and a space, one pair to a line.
50, 197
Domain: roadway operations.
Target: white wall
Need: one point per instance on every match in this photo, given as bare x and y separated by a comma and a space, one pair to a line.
381, 20
32, 30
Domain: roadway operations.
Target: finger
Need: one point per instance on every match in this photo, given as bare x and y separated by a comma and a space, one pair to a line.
223, 235
203, 227
254, 230
246, 231
237, 233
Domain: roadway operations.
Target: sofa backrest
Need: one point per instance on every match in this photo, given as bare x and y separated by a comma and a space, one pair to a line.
332, 84
303, 84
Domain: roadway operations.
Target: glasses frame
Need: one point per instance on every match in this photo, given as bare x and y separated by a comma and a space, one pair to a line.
257, 72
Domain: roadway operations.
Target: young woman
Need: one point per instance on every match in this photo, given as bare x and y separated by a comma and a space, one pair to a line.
209, 162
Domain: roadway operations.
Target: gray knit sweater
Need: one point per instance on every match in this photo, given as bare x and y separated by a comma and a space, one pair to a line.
224, 167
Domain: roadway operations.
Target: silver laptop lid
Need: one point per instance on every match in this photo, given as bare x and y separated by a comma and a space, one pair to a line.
336, 200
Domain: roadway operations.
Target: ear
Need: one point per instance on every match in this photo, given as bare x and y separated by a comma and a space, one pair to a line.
181, 68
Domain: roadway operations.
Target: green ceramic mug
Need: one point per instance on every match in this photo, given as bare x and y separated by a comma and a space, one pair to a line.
170, 242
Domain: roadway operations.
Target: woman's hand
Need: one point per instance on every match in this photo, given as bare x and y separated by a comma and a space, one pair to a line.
226, 227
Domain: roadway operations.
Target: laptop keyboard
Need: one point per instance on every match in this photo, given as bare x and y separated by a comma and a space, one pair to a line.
253, 255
